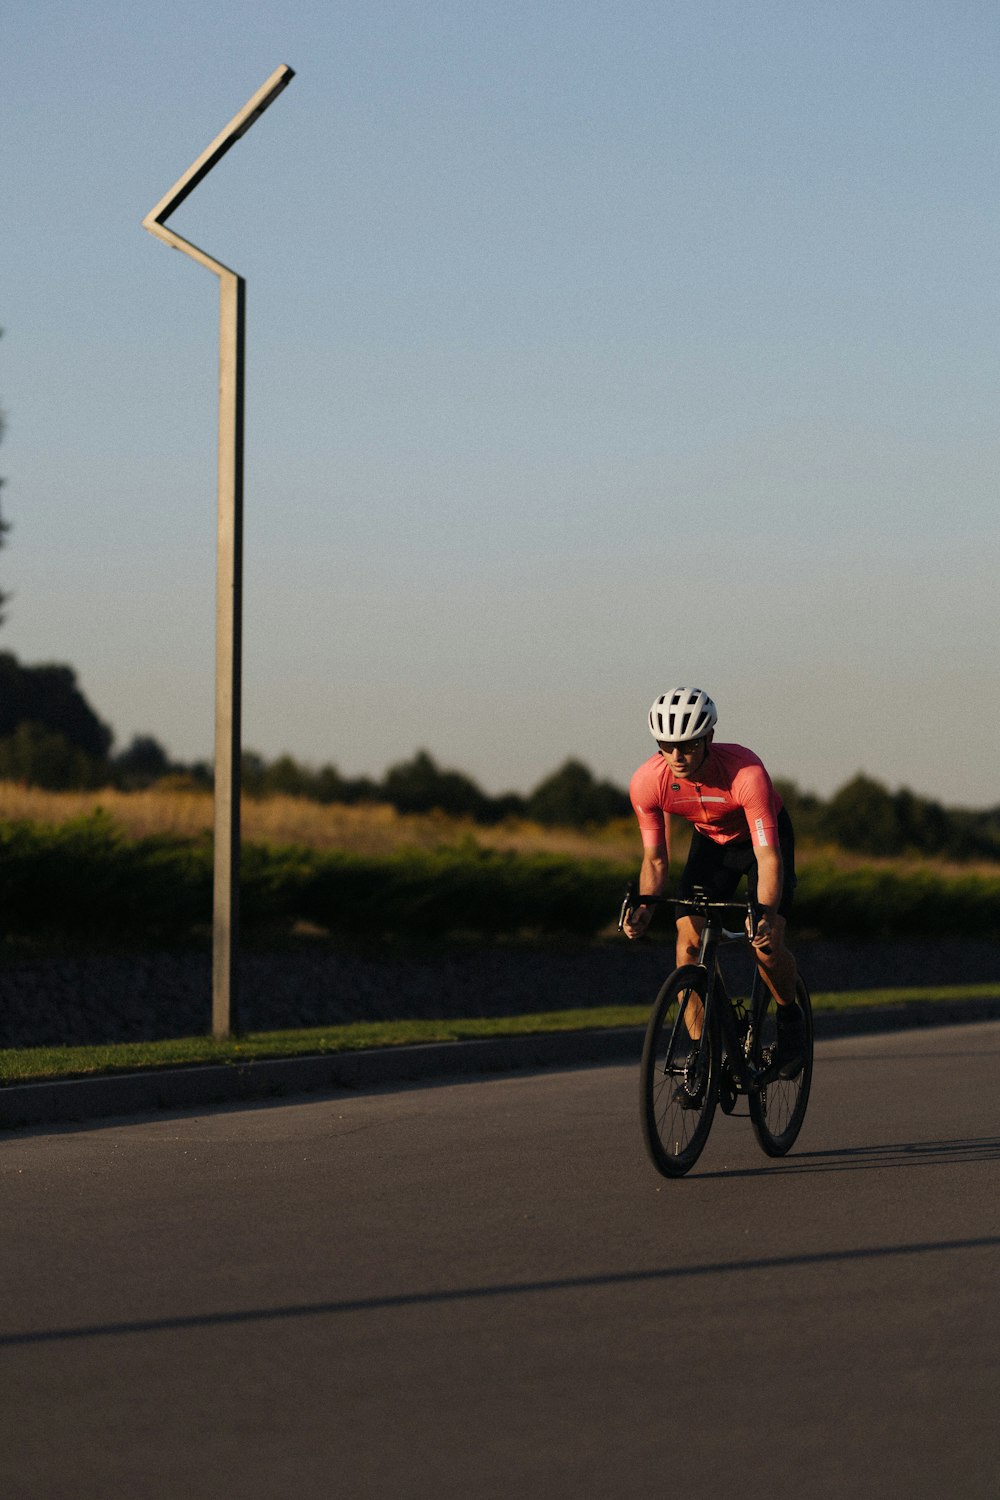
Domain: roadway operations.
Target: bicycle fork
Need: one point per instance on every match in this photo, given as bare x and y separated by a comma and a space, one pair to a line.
737, 1042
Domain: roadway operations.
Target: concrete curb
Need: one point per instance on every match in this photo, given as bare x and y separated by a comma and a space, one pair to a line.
197, 1087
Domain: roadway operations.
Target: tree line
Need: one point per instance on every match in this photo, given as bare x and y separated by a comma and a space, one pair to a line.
51, 737
865, 817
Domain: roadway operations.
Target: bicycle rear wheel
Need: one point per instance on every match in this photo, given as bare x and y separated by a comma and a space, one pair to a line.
679, 1077
779, 1108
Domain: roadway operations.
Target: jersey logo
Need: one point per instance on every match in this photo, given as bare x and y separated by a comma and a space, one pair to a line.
761, 835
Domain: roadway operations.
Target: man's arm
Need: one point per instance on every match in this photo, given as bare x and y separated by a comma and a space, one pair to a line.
769, 878
652, 882
755, 793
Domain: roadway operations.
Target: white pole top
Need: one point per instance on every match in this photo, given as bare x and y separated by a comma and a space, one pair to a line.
238, 125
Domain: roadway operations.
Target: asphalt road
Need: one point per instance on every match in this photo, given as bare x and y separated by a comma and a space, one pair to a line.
483, 1289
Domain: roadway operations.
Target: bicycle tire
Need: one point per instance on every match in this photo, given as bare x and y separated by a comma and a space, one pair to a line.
675, 1136
778, 1110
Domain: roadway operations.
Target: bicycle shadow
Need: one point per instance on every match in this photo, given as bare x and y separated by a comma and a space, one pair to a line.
875, 1158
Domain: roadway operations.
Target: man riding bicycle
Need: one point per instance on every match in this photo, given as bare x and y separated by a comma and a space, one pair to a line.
740, 828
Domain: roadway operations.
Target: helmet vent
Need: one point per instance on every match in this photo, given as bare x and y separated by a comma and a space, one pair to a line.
682, 715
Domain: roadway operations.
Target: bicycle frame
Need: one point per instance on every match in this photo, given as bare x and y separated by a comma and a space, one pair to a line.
713, 936
704, 1048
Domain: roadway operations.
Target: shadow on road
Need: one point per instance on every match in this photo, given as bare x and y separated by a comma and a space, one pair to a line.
874, 1158
474, 1293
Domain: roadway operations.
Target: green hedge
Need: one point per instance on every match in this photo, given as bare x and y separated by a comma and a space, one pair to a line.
430, 895
88, 879
875, 902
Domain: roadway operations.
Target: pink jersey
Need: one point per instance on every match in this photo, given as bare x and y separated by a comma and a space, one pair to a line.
731, 798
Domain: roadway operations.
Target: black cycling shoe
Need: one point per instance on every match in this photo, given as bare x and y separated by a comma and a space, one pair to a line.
790, 1050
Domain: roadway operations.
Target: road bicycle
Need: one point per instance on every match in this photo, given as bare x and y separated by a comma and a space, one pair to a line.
706, 1047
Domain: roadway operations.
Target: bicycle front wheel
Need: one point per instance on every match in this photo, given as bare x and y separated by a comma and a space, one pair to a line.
679, 1077
778, 1109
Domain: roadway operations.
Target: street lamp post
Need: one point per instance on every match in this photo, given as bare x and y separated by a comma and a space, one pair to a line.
229, 558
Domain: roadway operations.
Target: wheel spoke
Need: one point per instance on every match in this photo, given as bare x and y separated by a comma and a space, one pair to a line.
778, 1109
679, 1078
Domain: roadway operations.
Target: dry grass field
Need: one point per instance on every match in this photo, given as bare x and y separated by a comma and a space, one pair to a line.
373, 830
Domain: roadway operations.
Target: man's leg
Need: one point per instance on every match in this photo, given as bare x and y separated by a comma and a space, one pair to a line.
778, 970
776, 964
689, 931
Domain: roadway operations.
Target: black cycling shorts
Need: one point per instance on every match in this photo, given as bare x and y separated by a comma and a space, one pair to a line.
719, 868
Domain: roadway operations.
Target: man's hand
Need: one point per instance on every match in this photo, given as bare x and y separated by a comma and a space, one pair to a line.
637, 920
760, 940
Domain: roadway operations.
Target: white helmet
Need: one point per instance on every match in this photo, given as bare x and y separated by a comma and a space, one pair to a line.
681, 715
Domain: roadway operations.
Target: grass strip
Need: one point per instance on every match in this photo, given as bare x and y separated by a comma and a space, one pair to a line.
45, 1064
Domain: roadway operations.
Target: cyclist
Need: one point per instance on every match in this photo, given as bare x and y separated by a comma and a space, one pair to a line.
740, 828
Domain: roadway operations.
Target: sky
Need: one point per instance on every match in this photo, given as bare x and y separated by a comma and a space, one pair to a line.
592, 350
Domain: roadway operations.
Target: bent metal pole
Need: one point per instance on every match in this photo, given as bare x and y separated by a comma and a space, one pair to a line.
229, 558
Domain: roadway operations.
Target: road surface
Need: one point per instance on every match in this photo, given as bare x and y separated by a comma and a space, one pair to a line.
483, 1289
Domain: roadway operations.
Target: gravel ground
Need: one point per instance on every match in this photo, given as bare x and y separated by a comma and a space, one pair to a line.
93, 998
